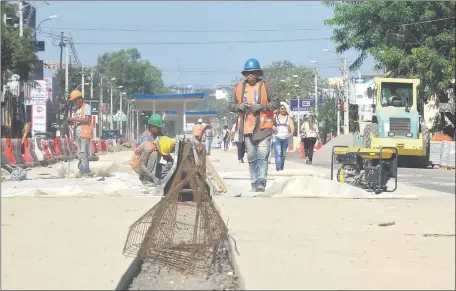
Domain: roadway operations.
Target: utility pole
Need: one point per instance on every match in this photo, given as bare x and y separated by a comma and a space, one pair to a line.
67, 66
111, 125
346, 103
83, 81
137, 124
91, 84
120, 118
21, 20
316, 91
338, 110
100, 114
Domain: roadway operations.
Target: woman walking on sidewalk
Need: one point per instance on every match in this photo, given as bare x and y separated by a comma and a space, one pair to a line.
283, 130
226, 135
310, 135
239, 144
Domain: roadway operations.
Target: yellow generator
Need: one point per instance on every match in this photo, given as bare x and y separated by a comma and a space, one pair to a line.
369, 169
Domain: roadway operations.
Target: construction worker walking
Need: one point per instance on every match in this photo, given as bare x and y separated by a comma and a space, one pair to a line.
198, 131
146, 159
155, 125
83, 131
255, 105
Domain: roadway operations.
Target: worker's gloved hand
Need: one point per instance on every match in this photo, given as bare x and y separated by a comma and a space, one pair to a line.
256, 107
243, 107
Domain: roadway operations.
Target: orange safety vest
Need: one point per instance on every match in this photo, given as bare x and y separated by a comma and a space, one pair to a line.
197, 130
137, 153
86, 129
266, 117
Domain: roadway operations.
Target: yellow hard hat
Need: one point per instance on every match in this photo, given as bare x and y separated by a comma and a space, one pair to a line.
166, 144
75, 94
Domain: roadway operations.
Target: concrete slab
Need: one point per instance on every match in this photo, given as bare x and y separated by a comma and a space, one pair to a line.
66, 243
299, 244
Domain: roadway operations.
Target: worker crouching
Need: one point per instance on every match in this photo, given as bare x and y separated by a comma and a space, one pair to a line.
146, 159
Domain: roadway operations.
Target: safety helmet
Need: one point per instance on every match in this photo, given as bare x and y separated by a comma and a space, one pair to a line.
75, 94
156, 120
200, 120
166, 144
252, 65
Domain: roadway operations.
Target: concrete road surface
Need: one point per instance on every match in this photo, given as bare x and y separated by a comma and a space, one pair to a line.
433, 179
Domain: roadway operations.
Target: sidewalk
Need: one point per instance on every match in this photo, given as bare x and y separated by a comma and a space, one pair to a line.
338, 243
76, 241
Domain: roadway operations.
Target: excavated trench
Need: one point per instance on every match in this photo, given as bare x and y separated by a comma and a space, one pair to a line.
220, 274
182, 243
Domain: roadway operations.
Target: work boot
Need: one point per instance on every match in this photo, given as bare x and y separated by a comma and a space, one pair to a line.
260, 188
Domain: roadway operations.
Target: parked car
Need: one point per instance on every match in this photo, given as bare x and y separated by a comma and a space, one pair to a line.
44, 135
111, 135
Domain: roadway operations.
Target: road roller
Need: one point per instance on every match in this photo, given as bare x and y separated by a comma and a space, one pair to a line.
366, 168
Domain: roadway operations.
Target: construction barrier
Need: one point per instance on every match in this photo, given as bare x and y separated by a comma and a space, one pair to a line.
28, 155
100, 145
442, 153
44, 148
93, 148
37, 151
57, 147
36, 148
7, 151
16, 145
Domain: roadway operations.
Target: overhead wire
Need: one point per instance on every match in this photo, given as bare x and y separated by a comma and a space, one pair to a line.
188, 30
206, 42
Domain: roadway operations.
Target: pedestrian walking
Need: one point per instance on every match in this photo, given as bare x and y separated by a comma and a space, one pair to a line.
240, 145
208, 137
83, 130
226, 135
283, 130
255, 106
309, 136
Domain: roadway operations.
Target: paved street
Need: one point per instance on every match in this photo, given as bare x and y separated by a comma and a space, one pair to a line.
433, 179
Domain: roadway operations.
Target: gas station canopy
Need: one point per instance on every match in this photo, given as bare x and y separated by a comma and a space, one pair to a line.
180, 102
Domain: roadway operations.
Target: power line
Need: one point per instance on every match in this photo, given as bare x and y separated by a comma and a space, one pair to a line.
427, 21
189, 30
205, 42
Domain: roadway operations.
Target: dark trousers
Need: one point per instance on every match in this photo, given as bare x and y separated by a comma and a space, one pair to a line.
240, 150
309, 143
225, 143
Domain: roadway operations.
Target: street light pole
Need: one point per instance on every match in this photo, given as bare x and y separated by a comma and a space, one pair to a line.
111, 125
21, 20
346, 103
120, 118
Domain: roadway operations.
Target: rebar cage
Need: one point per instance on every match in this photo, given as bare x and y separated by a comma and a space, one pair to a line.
177, 234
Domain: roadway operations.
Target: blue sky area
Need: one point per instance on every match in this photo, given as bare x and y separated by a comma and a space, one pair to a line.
95, 24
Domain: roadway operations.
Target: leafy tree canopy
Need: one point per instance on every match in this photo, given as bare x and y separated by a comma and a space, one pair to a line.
135, 74
18, 53
412, 39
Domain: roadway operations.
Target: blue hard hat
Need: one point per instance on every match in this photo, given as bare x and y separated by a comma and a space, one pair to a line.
252, 65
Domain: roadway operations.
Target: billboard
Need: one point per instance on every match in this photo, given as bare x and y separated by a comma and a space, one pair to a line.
39, 120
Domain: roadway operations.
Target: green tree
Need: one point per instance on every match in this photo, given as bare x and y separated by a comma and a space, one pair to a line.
18, 53
135, 74
282, 76
412, 39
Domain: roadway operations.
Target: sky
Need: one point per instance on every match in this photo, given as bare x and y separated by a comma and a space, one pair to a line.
240, 28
